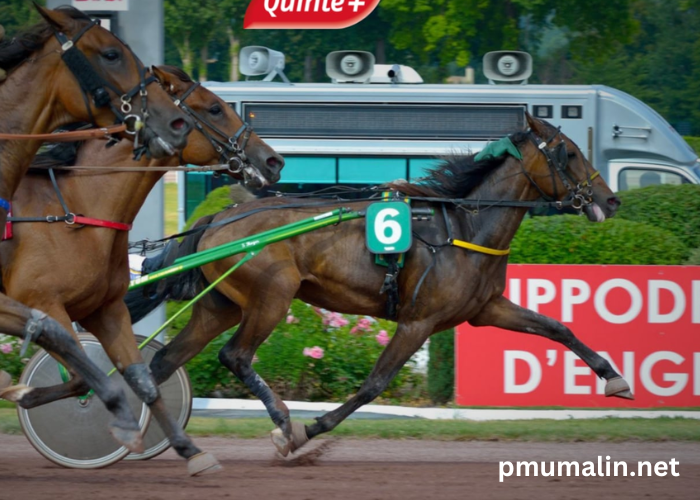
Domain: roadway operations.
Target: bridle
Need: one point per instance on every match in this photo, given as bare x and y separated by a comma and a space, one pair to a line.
580, 193
230, 152
92, 84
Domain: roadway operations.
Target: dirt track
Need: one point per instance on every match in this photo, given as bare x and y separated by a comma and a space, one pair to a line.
350, 469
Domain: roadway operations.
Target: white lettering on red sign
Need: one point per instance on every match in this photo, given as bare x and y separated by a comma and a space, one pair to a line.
576, 292
577, 376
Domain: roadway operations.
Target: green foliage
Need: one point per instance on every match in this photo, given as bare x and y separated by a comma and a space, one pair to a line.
441, 362
217, 200
570, 239
10, 359
674, 208
346, 347
694, 258
693, 142
17, 15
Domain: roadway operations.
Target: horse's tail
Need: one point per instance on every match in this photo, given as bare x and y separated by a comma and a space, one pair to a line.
183, 286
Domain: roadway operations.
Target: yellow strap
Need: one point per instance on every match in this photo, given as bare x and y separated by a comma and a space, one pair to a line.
479, 248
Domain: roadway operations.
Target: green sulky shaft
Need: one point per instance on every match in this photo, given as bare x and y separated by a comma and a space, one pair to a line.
252, 243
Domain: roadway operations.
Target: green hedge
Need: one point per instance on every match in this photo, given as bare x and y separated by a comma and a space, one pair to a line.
673, 208
571, 239
441, 367
217, 200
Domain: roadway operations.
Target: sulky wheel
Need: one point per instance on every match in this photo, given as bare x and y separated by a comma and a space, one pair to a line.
72, 432
177, 394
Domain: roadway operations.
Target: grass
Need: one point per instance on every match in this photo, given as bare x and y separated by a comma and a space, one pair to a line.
170, 198
608, 429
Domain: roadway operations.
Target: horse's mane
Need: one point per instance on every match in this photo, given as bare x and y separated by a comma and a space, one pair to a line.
456, 176
59, 154
15, 50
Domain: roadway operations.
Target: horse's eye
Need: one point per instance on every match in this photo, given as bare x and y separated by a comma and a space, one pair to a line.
111, 55
216, 110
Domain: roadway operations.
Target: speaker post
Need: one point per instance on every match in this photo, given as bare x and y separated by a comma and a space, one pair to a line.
256, 60
346, 66
507, 66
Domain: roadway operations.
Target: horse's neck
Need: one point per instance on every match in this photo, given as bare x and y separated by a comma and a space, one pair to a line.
116, 196
25, 108
495, 227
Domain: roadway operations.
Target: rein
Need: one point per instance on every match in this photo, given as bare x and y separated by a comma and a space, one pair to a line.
71, 136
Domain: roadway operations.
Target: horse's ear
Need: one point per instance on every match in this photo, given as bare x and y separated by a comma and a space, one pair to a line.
534, 124
57, 19
166, 79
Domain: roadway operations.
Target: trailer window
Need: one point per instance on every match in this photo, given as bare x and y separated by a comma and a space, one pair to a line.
633, 178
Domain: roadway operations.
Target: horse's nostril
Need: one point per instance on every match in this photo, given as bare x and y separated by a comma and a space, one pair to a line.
179, 124
615, 201
273, 162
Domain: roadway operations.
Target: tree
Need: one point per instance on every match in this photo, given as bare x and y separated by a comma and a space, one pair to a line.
18, 14
457, 30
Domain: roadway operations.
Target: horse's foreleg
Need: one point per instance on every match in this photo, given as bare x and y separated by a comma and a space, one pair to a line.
32, 325
405, 343
112, 326
502, 313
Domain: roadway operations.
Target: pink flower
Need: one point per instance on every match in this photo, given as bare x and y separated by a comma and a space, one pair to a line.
382, 337
6, 348
292, 319
334, 319
364, 324
315, 352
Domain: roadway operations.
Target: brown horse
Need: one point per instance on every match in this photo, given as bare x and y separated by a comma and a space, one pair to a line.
62, 70
90, 285
440, 286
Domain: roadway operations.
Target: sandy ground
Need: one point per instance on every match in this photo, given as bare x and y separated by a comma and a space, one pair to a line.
354, 469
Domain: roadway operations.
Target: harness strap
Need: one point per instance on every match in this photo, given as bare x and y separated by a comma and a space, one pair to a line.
70, 218
479, 248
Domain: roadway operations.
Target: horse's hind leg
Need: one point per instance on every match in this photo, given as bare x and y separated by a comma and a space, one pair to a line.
17, 320
408, 339
111, 324
502, 313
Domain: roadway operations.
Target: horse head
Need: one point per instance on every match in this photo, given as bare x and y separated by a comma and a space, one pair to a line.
223, 136
102, 80
560, 172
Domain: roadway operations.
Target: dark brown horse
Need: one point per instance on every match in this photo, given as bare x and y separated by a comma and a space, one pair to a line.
82, 274
62, 70
331, 268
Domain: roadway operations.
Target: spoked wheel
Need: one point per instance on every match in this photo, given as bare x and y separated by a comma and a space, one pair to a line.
177, 395
73, 432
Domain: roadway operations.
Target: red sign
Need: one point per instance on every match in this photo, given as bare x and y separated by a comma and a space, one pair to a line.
306, 14
645, 320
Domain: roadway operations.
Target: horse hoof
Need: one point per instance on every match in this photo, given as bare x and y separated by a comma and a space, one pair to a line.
131, 439
15, 393
5, 380
282, 444
203, 463
618, 387
299, 437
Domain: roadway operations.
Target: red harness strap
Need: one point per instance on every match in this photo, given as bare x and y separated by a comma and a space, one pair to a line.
89, 221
